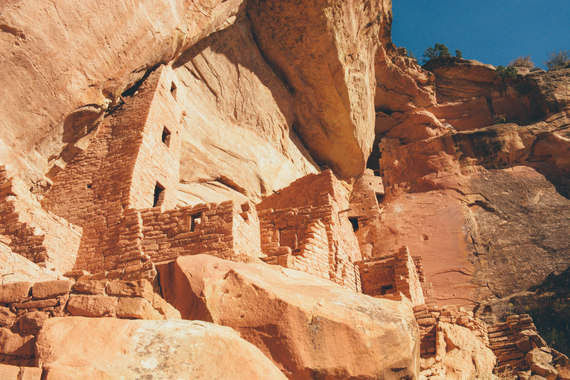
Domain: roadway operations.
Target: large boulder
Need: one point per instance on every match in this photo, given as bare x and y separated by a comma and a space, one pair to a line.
464, 355
310, 327
129, 349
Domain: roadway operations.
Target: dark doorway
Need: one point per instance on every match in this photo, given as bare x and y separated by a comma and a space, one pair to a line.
173, 90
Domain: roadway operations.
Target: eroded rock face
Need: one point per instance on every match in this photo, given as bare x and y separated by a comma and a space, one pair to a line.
308, 326
238, 121
463, 354
65, 62
480, 200
155, 349
324, 52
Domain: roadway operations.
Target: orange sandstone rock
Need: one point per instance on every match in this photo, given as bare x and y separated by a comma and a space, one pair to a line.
308, 326
116, 348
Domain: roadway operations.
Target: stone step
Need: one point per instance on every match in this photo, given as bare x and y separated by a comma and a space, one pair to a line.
502, 345
500, 338
506, 357
498, 327
512, 364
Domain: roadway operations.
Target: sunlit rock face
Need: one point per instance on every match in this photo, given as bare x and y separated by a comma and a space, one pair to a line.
134, 136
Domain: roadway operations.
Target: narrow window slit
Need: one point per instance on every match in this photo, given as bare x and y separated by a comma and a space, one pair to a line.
195, 221
166, 136
354, 222
158, 195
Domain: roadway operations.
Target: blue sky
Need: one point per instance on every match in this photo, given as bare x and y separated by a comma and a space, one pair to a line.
490, 31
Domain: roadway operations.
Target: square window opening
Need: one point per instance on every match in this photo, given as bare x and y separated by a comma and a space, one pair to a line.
166, 136
158, 195
386, 289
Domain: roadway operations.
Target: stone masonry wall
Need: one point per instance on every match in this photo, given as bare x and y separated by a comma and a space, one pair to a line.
24, 306
246, 231
389, 276
305, 239
429, 317
205, 228
368, 191
30, 231
158, 161
119, 171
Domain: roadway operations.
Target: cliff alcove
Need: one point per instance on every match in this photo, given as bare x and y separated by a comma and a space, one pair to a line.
279, 185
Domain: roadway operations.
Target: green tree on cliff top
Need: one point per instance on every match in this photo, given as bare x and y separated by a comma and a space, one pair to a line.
439, 50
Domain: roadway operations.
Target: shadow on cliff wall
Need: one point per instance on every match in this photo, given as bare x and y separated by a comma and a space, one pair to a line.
237, 43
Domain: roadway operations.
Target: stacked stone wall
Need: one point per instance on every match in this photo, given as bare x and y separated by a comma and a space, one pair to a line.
246, 231
158, 161
30, 231
217, 229
24, 306
118, 172
389, 276
364, 197
305, 239
429, 317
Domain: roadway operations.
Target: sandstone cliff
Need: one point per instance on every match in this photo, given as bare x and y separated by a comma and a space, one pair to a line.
135, 136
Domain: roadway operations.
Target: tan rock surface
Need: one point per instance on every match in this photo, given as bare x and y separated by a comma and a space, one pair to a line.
307, 325
466, 357
171, 349
15, 268
401, 84
324, 51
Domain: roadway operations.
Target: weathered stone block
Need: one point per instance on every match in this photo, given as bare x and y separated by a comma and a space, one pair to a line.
92, 306
30, 373
6, 317
37, 304
90, 287
15, 292
15, 344
140, 288
136, 307
31, 323
523, 344
9, 372
51, 289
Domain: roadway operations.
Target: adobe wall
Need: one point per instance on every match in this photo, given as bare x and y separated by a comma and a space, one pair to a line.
202, 229
34, 233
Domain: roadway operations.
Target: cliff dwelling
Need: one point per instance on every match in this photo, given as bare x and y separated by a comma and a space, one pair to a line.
274, 190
